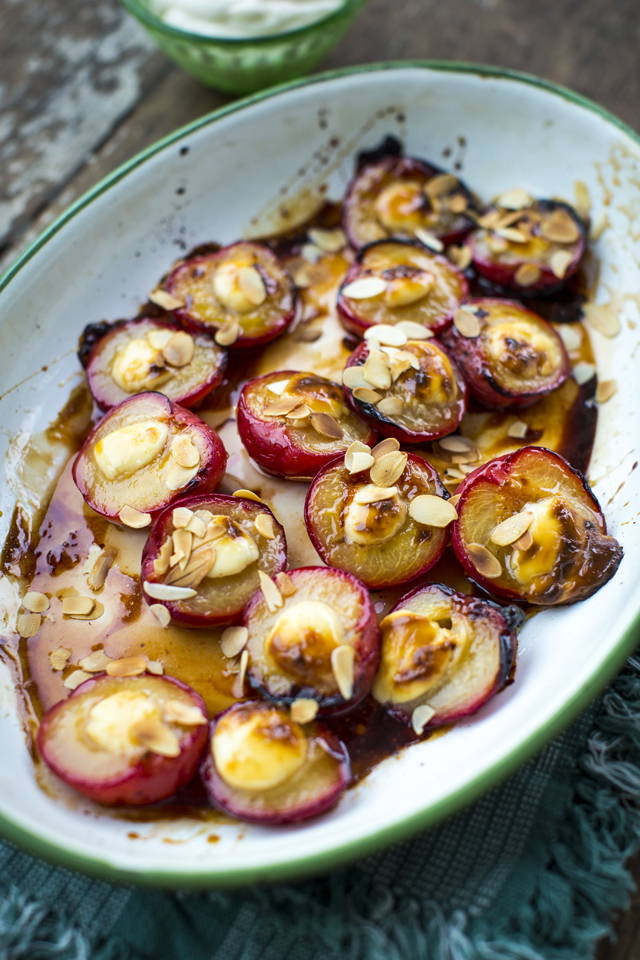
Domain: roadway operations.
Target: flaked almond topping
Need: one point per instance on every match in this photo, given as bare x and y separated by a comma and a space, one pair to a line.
96, 662
278, 387
228, 333
186, 714
72, 606
342, 665
496, 243
162, 561
523, 542
265, 527
391, 406
511, 529
126, 667
59, 658
371, 493
353, 377
391, 336
179, 350
365, 395
270, 591
514, 199
197, 527
602, 318
178, 477
582, 201
460, 256
100, 569
161, 614
466, 323
512, 234
326, 426
331, 241
233, 641
304, 710
458, 203
431, 511
182, 546
311, 252
358, 457
560, 227
134, 518
238, 684
441, 185
286, 584
605, 390
251, 285
527, 274
164, 591
165, 300
389, 468
303, 278
469, 457
364, 288
184, 451
429, 240
421, 717
571, 336
414, 331
280, 408
181, 516
35, 602
484, 561
518, 430
384, 447
457, 444
195, 570
583, 372
454, 500
560, 262
376, 372
75, 679
157, 737
452, 473
247, 495
467, 467
155, 667
301, 412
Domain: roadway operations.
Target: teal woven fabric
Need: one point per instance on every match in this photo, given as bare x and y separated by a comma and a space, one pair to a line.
533, 870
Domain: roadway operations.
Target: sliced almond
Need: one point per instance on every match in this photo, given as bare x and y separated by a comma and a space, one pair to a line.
399, 368
484, 561
490, 220
161, 614
186, 714
518, 430
97, 577
35, 602
127, 667
365, 395
198, 566
571, 336
414, 331
371, 493
388, 468
441, 185
228, 333
238, 685
286, 584
391, 406
233, 641
181, 516
452, 473
390, 445
463, 458
304, 710
466, 323
179, 350
301, 412
331, 241
602, 318
560, 262
527, 274
512, 234
523, 542
431, 511
456, 443
248, 495
429, 240
184, 451
164, 591
582, 201
165, 300
391, 336
342, 665
76, 678
278, 387
583, 372
280, 408
460, 256
96, 662
421, 716
605, 390
134, 518
326, 426
454, 500
197, 527
356, 447
458, 203
155, 667
264, 526
514, 199
511, 529
560, 227
251, 285
72, 606
182, 545
178, 477
270, 591
156, 737
376, 372
310, 252
59, 658
364, 288
161, 562
353, 377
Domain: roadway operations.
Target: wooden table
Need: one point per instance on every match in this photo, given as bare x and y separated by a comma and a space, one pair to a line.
82, 90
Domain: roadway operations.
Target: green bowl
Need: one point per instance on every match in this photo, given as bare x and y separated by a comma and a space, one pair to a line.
249, 64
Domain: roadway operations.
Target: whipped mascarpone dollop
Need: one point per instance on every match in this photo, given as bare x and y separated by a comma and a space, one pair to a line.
242, 19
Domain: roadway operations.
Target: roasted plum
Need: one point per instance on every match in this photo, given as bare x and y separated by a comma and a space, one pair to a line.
510, 357
415, 392
381, 516
242, 295
402, 197
320, 644
444, 654
393, 281
264, 767
147, 354
292, 423
533, 248
530, 529
126, 740
203, 557
143, 455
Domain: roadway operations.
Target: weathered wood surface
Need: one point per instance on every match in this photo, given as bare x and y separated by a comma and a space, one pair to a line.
82, 90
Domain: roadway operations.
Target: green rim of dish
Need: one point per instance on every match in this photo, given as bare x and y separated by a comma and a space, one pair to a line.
317, 863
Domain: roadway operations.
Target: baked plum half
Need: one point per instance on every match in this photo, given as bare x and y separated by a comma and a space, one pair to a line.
530, 529
143, 455
391, 281
321, 644
384, 520
399, 196
264, 767
444, 654
148, 354
126, 740
203, 557
533, 249
292, 423
242, 295
414, 393
510, 357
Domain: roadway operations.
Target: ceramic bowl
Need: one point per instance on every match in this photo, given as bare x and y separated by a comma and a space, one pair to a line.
246, 170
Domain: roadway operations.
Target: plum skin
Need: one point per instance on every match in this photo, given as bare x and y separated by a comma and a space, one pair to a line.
151, 779
367, 647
